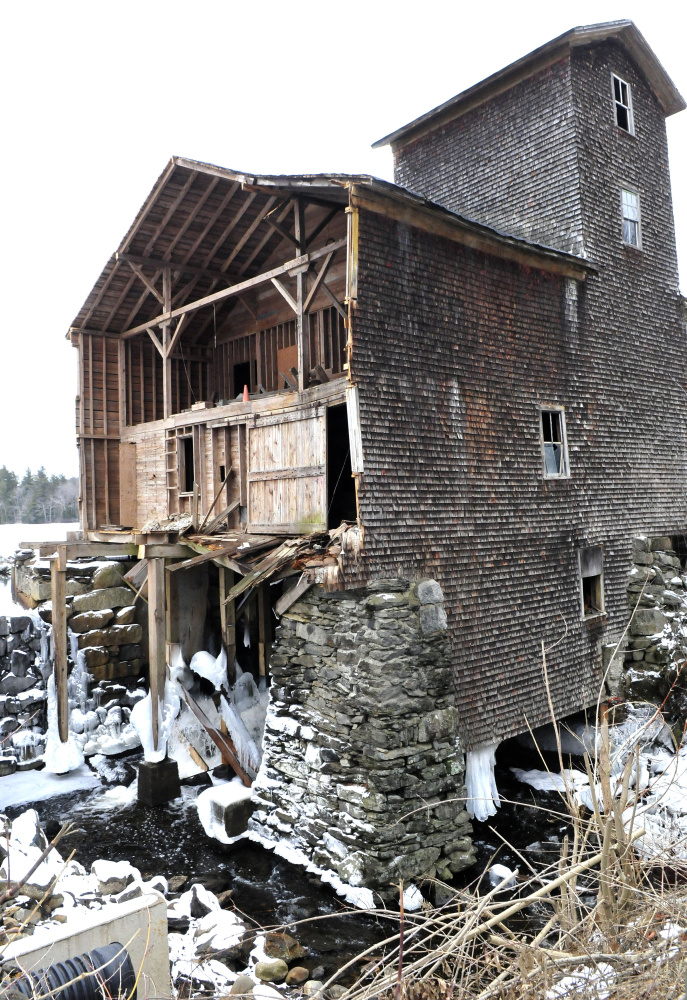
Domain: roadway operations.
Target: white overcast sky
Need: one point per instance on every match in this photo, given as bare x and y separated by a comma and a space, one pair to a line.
97, 96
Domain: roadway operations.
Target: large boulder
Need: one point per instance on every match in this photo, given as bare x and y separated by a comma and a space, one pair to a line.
89, 620
108, 576
101, 600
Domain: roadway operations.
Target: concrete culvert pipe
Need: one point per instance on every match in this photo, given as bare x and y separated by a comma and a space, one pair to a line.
102, 974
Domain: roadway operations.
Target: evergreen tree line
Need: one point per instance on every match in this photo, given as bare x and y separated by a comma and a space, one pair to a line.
37, 498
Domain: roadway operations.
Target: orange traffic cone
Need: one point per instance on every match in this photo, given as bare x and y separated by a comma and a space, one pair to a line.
246, 397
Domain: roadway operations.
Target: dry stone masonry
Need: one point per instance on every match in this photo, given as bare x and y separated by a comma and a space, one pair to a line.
657, 646
362, 769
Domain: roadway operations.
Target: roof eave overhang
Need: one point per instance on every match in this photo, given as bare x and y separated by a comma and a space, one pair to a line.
404, 206
625, 32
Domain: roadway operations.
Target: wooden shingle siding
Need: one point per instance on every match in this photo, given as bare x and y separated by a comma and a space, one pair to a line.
453, 353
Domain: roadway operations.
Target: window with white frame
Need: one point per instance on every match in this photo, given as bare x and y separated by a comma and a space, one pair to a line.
553, 443
622, 98
630, 213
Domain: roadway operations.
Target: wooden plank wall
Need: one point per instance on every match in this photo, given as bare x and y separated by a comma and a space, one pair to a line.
144, 401
98, 428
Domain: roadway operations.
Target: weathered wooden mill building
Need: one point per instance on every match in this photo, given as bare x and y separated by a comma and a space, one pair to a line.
475, 368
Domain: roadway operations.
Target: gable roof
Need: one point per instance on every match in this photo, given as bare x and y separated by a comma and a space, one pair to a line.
624, 32
209, 226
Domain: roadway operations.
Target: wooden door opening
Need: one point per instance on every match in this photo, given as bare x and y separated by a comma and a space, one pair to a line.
341, 502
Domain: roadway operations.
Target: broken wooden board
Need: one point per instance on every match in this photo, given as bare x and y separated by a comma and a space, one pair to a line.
222, 741
290, 596
270, 564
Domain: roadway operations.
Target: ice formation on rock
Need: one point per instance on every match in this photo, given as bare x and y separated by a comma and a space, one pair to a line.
59, 757
482, 793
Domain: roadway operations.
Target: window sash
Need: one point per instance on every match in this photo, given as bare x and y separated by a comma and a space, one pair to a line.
553, 442
630, 213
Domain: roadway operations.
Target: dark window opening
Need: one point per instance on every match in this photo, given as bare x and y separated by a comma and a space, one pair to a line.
553, 442
222, 473
187, 474
623, 104
341, 504
591, 595
591, 573
241, 376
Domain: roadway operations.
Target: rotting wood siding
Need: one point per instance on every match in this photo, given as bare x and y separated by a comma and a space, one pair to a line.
453, 353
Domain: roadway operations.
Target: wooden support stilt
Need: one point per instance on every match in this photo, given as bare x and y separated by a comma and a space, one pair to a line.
58, 574
264, 628
228, 619
156, 638
171, 615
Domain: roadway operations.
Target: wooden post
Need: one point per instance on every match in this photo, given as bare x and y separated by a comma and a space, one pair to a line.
243, 468
302, 320
58, 574
166, 338
171, 614
156, 638
264, 628
228, 619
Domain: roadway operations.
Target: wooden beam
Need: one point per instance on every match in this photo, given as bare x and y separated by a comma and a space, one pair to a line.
156, 639
158, 345
334, 301
248, 233
58, 577
160, 550
286, 294
222, 516
228, 619
264, 628
318, 281
323, 224
241, 286
302, 322
166, 343
177, 333
149, 285
291, 595
158, 264
203, 558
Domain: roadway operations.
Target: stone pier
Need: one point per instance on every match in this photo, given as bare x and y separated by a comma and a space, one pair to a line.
362, 764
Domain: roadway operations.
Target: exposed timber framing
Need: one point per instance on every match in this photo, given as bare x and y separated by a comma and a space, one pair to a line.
225, 293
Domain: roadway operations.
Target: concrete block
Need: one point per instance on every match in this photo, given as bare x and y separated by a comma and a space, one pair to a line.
127, 922
158, 783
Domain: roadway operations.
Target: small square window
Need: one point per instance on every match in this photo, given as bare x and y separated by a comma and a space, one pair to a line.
630, 212
553, 442
591, 580
622, 100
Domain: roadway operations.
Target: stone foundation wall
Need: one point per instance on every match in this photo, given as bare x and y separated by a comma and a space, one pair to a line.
657, 640
362, 732
100, 612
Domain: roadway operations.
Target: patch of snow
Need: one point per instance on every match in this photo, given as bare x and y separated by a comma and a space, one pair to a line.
59, 757
36, 786
501, 875
412, 898
592, 982
213, 669
211, 804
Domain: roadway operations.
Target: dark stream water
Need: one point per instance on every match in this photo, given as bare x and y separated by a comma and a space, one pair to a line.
170, 841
